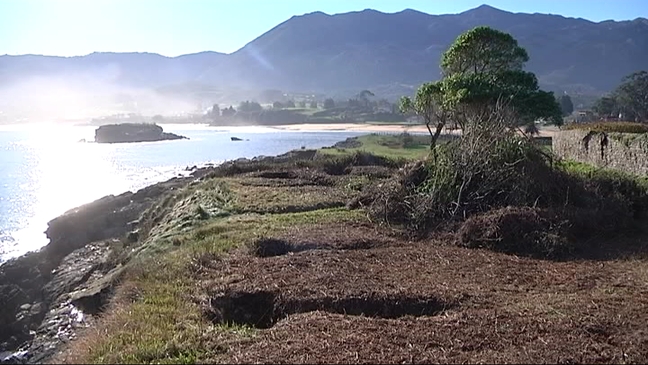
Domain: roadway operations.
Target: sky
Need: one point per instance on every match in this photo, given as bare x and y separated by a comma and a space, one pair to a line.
175, 27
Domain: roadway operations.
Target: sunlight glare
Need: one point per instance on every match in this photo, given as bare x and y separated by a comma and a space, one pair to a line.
69, 173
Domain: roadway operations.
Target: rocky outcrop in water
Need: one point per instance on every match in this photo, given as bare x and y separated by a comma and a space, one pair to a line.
133, 132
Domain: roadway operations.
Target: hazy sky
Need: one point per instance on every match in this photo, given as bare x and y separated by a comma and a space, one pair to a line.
174, 27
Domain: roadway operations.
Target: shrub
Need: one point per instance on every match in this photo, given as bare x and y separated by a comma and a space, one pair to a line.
508, 195
407, 140
506, 228
463, 179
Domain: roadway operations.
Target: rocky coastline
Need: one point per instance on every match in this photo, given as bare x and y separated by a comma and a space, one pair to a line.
47, 295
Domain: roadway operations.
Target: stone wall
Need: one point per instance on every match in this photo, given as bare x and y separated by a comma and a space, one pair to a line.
620, 151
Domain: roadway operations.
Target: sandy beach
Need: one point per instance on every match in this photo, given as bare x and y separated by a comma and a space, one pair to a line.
382, 128
359, 127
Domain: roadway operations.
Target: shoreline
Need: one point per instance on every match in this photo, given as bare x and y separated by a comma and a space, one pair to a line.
48, 300
352, 127
79, 242
544, 131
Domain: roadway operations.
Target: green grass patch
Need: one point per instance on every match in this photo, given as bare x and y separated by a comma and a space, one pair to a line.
590, 172
156, 314
391, 146
151, 320
304, 111
180, 212
608, 127
280, 199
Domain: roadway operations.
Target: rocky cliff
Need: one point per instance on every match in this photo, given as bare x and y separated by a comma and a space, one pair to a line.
132, 132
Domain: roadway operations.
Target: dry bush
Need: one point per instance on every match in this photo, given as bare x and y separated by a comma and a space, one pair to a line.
505, 229
490, 168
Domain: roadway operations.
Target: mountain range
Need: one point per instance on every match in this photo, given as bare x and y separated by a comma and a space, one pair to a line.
386, 53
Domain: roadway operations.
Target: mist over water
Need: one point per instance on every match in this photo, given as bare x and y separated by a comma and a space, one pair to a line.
99, 90
47, 171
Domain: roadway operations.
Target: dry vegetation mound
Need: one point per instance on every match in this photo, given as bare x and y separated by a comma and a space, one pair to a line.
509, 195
422, 302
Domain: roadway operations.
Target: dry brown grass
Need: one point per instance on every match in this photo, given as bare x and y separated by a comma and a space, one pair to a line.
423, 301
498, 308
279, 199
299, 189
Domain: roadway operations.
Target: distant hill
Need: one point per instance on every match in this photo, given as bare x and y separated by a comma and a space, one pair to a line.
343, 53
369, 49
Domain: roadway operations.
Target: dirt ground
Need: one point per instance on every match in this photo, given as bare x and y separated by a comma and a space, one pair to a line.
309, 281
354, 294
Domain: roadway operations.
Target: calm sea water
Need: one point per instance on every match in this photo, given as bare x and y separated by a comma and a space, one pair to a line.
45, 170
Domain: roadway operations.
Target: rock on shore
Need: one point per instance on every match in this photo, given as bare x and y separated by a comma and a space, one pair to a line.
133, 132
45, 294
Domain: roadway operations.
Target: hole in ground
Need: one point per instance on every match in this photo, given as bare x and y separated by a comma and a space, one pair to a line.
262, 309
277, 175
270, 247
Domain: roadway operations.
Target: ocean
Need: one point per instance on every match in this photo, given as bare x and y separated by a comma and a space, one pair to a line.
47, 169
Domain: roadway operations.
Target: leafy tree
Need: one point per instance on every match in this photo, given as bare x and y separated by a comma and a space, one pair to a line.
228, 112
313, 104
215, 111
566, 105
290, 104
632, 95
364, 96
250, 106
606, 106
354, 103
484, 65
483, 50
329, 103
629, 99
302, 104
277, 105
429, 105
482, 71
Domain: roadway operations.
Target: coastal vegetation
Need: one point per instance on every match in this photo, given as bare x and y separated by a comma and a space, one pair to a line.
281, 259
359, 109
628, 101
476, 247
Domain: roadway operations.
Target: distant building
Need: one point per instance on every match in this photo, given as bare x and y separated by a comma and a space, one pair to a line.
584, 116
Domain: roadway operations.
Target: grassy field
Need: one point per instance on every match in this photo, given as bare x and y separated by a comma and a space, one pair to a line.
386, 145
270, 266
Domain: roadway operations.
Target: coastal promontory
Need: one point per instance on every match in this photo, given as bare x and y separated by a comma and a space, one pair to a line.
133, 132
